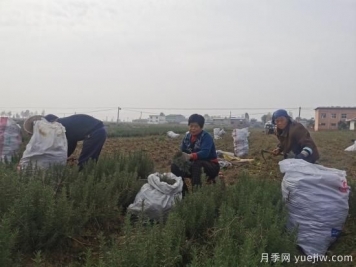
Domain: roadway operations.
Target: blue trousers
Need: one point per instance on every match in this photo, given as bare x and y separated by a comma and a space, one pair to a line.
92, 146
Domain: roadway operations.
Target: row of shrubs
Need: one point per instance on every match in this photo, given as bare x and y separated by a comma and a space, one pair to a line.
47, 213
65, 218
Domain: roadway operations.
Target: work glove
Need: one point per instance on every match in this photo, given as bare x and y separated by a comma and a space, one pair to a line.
302, 155
186, 156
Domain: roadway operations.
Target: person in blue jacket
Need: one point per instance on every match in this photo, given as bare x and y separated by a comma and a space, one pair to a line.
198, 147
82, 127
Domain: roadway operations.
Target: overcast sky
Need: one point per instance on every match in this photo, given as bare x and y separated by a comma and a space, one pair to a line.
87, 55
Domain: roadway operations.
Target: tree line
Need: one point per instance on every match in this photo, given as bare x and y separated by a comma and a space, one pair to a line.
24, 114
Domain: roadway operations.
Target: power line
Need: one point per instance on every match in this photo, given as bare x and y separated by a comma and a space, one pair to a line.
138, 111
27, 107
158, 108
100, 110
163, 108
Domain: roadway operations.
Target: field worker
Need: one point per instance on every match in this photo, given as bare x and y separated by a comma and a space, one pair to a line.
198, 147
293, 136
81, 127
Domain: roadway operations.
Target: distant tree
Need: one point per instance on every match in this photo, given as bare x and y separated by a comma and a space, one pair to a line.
264, 118
247, 117
9, 114
311, 123
3, 113
342, 125
27, 113
162, 114
43, 112
17, 116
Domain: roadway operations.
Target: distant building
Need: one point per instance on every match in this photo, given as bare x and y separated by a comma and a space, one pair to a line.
234, 122
157, 119
140, 121
327, 118
220, 121
175, 118
208, 119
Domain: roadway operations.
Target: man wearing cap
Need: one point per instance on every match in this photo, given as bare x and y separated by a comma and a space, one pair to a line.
293, 136
81, 127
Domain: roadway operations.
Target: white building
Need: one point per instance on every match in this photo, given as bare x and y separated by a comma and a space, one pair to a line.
352, 124
157, 119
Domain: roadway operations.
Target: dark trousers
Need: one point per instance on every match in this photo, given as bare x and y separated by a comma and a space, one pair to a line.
92, 146
309, 159
211, 170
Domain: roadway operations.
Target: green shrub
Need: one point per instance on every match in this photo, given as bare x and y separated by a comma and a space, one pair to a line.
7, 241
48, 207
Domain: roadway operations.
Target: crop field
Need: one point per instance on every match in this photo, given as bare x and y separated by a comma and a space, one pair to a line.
65, 218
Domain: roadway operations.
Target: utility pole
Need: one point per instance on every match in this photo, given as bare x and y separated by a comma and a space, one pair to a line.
299, 113
118, 114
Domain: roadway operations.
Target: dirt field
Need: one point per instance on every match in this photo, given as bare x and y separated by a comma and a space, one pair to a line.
331, 146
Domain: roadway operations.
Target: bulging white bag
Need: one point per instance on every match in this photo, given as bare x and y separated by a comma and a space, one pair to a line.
47, 146
10, 138
351, 148
240, 137
218, 133
317, 203
156, 198
172, 134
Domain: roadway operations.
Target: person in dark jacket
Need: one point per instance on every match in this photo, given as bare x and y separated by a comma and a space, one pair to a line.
81, 127
293, 137
198, 147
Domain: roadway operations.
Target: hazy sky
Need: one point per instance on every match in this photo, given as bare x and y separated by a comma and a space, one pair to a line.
87, 55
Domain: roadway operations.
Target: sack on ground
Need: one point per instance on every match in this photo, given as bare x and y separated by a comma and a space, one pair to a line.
157, 197
317, 201
172, 134
218, 133
47, 146
351, 148
10, 138
240, 137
